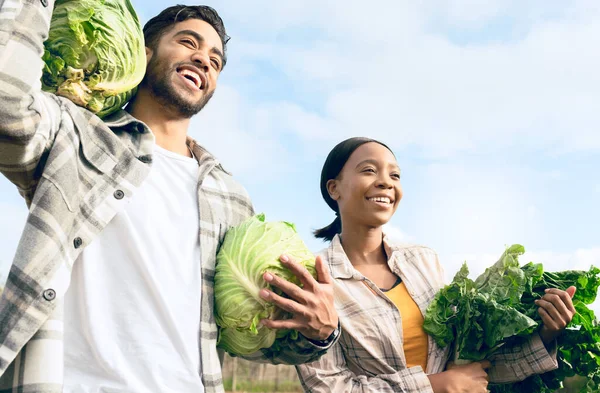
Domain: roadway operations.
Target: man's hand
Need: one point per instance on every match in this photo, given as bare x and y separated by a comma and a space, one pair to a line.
314, 314
557, 310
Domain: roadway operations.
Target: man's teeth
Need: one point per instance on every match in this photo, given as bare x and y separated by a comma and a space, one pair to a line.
381, 199
194, 77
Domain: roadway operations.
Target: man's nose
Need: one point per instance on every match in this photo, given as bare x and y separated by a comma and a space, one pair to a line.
201, 61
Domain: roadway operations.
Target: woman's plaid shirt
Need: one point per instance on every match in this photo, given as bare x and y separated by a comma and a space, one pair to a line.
369, 357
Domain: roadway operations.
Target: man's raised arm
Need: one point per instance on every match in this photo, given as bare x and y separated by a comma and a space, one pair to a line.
29, 118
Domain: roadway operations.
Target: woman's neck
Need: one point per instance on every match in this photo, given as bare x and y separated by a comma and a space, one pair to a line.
364, 246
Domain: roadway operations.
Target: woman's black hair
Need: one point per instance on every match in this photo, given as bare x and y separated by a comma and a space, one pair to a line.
334, 163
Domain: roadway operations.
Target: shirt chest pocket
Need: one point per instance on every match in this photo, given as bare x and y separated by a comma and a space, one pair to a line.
75, 163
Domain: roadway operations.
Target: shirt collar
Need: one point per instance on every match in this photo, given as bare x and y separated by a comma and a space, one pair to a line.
124, 120
203, 155
341, 267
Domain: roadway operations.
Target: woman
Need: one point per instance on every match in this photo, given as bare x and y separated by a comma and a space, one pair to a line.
382, 290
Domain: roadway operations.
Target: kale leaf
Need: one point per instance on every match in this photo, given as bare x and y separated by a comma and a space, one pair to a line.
479, 317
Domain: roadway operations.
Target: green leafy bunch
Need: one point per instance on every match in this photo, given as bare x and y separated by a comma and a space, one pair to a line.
498, 308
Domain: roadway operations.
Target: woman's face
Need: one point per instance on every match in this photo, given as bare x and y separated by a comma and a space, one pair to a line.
368, 188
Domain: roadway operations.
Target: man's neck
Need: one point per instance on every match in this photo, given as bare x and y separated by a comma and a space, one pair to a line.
169, 128
364, 246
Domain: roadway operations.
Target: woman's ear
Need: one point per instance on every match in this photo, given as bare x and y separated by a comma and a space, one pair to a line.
332, 189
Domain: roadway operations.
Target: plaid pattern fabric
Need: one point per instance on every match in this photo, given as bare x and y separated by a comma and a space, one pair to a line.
369, 357
73, 169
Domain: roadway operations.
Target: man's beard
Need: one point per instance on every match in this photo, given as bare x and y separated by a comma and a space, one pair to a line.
158, 81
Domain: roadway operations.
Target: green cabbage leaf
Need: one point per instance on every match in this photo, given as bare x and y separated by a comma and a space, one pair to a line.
248, 251
94, 54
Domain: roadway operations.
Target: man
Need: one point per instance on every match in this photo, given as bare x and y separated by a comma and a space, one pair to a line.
126, 217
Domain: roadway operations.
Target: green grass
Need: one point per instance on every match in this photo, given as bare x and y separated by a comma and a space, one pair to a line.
264, 386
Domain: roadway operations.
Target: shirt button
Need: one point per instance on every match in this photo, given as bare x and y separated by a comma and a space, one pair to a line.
44, 3
49, 294
119, 194
77, 242
147, 159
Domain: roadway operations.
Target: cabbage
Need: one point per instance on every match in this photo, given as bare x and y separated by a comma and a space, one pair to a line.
95, 53
248, 251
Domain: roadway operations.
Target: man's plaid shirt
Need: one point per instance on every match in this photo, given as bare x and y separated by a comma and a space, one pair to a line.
369, 355
73, 169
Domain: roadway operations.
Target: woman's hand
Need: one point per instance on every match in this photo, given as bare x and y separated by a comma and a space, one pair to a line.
557, 310
469, 378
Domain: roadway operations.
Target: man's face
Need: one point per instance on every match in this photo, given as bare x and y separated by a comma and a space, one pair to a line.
182, 71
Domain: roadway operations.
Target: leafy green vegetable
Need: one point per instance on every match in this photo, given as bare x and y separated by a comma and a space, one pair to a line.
579, 345
248, 251
94, 54
498, 308
478, 314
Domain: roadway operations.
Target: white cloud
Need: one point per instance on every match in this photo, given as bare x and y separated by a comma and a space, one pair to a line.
390, 76
532, 212
580, 259
471, 13
396, 234
477, 263
239, 135
462, 206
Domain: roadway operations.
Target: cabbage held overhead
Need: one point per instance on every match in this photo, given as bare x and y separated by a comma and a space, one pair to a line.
95, 54
248, 251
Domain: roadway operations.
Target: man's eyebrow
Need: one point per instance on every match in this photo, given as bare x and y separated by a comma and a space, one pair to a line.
200, 40
193, 33
217, 52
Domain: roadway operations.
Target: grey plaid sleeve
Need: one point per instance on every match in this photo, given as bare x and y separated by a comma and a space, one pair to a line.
330, 374
517, 362
29, 117
294, 350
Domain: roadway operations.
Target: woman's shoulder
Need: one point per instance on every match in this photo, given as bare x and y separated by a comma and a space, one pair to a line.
408, 249
335, 258
325, 255
420, 257
332, 248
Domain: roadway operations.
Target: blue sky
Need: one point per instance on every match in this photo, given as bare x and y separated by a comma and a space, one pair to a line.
491, 108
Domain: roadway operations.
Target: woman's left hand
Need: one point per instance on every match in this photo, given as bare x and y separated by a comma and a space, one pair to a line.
557, 310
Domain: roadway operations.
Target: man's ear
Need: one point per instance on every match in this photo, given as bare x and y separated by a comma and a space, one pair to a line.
332, 189
148, 55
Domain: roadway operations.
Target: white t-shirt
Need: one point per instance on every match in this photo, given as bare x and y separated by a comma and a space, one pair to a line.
132, 312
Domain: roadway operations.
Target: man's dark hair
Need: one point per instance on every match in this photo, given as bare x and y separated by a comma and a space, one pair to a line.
163, 22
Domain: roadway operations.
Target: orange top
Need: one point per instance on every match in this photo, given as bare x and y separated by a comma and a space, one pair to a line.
415, 338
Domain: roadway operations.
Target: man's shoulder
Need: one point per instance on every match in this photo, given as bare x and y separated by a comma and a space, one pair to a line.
222, 181
226, 196
219, 178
